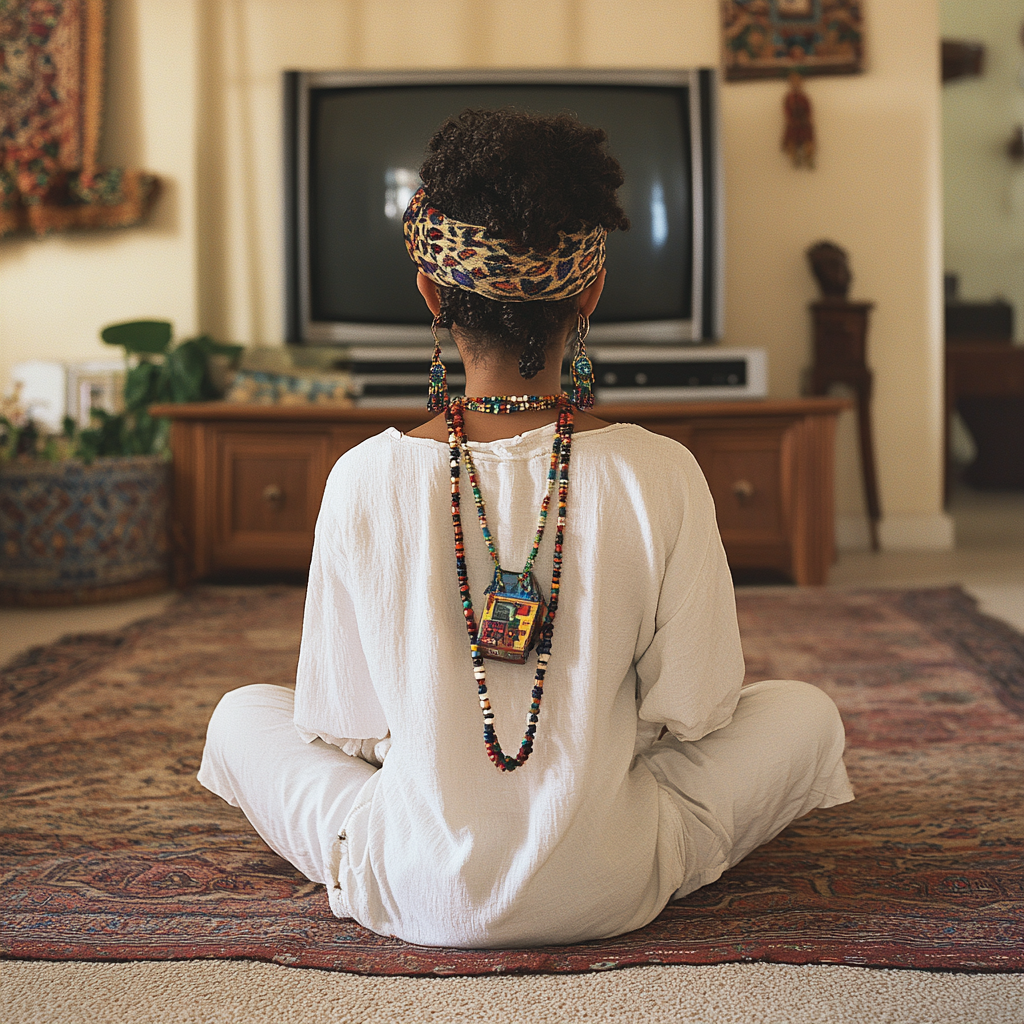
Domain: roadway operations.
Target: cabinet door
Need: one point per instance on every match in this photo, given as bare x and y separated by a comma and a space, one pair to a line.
269, 487
748, 469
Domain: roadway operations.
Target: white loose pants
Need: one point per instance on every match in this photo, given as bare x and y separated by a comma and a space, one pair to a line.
779, 758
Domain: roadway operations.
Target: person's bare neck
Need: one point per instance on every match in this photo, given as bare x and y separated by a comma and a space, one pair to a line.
498, 374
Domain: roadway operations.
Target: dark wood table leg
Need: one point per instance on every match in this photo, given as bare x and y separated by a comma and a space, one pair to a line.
867, 458
822, 379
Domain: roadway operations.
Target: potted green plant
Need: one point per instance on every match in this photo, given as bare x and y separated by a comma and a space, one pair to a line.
83, 516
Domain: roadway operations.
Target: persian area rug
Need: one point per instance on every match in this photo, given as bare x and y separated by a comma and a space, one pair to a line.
112, 851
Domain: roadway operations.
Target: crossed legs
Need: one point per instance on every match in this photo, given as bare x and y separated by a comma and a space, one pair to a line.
779, 758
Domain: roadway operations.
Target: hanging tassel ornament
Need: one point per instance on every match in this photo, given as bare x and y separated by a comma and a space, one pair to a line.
798, 139
582, 368
437, 392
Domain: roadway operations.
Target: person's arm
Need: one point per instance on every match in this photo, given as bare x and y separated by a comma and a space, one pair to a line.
334, 696
689, 676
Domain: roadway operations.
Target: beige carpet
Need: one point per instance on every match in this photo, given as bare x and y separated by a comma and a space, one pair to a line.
212, 992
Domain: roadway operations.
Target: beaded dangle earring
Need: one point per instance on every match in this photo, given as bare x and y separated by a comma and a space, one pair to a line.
437, 392
582, 368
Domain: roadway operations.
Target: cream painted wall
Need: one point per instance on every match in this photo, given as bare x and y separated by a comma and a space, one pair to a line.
984, 189
876, 190
56, 293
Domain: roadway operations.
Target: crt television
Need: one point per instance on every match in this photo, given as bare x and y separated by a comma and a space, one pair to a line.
355, 142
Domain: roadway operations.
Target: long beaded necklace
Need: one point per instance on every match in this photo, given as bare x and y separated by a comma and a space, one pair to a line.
558, 469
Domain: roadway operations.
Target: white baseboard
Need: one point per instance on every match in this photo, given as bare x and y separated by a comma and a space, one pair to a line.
852, 533
897, 533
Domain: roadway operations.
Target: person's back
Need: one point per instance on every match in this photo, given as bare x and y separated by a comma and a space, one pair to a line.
541, 651
574, 843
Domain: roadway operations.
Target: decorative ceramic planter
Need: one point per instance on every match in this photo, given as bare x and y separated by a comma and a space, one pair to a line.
74, 534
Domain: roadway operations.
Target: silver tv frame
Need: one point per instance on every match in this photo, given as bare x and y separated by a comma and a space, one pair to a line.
705, 324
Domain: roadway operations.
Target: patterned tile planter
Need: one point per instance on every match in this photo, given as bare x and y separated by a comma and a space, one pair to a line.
74, 534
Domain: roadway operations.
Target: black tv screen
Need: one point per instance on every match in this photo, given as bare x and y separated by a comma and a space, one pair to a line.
355, 146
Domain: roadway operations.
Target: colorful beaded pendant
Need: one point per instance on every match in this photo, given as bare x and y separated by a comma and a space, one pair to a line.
514, 612
510, 622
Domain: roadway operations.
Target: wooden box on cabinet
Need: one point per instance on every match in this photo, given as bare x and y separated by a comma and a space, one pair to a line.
248, 479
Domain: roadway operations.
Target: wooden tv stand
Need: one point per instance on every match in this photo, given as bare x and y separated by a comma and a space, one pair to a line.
248, 479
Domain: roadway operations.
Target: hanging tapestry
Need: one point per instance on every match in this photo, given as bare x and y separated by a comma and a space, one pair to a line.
771, 38
51, 98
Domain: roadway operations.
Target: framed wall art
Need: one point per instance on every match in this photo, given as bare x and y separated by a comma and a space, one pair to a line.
772, 38
51, 104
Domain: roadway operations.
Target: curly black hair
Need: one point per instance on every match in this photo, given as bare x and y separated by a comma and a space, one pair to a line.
524, 177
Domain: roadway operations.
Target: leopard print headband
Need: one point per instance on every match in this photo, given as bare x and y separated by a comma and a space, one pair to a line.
453, 254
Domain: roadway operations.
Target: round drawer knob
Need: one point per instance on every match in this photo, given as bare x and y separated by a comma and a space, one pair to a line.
272, 494
744, 491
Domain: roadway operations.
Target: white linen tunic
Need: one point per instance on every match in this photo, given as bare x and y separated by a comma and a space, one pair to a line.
581, 842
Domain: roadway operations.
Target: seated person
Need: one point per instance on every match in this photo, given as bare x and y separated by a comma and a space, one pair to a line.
586, 753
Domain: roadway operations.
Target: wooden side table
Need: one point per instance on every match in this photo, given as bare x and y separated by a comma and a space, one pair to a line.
840, 357
248, 479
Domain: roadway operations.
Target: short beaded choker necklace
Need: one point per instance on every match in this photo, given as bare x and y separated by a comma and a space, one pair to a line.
514, 613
